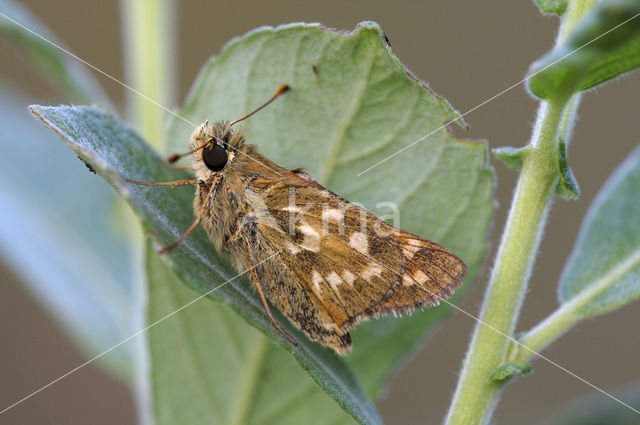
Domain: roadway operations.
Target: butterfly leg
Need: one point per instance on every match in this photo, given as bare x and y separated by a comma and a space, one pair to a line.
256, 282
210, 195
234, 236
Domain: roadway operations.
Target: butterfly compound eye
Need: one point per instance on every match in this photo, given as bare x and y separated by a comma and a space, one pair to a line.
215, 158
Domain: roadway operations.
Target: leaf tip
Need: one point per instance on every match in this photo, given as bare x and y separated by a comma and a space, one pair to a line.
513, 157
567, 185
34, 109
509, 369
551, 7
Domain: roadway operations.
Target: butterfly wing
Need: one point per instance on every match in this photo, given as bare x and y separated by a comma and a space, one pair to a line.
339, 263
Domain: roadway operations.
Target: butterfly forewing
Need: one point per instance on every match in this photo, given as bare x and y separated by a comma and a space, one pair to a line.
431, 273
348, 264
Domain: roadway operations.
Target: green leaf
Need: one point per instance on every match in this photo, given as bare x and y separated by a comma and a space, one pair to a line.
353, 104
548, 7
113, 151
64, 71
605, 264
507, 370
567, 184
513, 157
593, 53
369, 107
209, 367
57, 232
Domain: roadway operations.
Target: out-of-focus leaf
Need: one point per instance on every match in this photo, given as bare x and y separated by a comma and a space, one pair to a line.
604, 267
603, 45
114, 150
598, 410
351, 105
37, 42
209, 367
57, 234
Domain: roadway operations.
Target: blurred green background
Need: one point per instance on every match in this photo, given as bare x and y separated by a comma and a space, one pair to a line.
468, 52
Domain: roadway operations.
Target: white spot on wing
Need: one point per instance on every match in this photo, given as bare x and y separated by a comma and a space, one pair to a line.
292, 208
410, 246
372, 270
332, 214
334, 280
311, 240
329, 326
359, 242
348, 277
317, 280
294, 249
410, 250
420, 277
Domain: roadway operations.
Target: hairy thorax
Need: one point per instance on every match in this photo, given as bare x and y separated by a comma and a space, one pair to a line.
223, 222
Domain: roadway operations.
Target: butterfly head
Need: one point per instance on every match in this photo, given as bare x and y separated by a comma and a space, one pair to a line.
214, 148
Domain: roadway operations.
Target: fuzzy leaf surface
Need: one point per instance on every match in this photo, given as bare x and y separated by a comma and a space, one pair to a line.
593, 409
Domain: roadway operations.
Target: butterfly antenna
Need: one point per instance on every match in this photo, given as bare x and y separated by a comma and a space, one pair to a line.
176, 156
281, 90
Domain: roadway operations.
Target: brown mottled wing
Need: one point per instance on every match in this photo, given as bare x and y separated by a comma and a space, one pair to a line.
431, 273
341, 264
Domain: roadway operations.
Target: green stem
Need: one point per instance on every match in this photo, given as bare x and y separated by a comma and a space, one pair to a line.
570, 312
476, 395
149, 34
575, 10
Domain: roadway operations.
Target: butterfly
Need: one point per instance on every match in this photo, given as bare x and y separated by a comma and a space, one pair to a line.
324, 262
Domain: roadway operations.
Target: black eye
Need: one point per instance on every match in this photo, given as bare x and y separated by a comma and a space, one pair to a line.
215, 158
